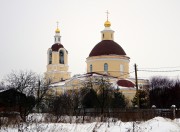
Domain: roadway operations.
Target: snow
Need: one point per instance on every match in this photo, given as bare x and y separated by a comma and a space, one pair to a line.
159, 124
58, 84
38, 124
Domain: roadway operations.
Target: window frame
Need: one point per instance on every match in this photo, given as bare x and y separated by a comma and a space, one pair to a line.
50, 57
91, 68
61, 61
105, 67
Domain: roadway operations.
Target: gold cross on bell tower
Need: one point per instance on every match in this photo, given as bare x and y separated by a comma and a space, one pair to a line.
107, 14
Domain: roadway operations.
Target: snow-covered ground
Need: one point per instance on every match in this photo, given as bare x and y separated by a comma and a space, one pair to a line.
157, 124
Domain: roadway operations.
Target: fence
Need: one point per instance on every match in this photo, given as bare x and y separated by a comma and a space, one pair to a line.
130, 114
120, 114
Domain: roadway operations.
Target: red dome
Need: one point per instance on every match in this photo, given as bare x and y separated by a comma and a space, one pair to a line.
56, 47
125, 83
107, 47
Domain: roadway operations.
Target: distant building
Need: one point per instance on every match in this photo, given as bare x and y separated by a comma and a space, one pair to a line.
11, 100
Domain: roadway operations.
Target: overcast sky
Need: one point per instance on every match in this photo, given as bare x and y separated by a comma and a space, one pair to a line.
148, 31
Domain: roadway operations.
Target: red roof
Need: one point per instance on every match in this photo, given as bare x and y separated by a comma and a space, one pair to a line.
125, 83
107, 47
56, 46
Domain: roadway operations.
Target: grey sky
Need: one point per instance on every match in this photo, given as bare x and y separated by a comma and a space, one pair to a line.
148, 31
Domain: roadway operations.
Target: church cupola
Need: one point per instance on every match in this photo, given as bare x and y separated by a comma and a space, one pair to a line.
107, 33
57, 37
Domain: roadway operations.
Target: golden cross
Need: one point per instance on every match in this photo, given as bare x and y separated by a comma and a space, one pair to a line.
107, 14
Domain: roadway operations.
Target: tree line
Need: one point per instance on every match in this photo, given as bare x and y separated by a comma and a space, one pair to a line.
96, 92
163, 93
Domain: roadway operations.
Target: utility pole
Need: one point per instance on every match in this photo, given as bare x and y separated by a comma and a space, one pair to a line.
136, 80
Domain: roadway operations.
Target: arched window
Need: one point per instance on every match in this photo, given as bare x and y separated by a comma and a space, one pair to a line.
50, 57
105, 67
91, 68
61, 57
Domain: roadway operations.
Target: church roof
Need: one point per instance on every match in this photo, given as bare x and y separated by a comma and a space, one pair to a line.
125, 83
107, 47
56, 46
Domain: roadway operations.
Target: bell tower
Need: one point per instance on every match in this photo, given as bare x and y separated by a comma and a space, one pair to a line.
57, 60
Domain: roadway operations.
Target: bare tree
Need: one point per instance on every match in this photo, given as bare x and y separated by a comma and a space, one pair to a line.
97, 93
161, 82
164, 92
2, 85
22, 81
41, 90
104, 92
32, 85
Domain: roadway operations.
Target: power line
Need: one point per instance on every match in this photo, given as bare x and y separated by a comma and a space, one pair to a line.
160, 71
162, 67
